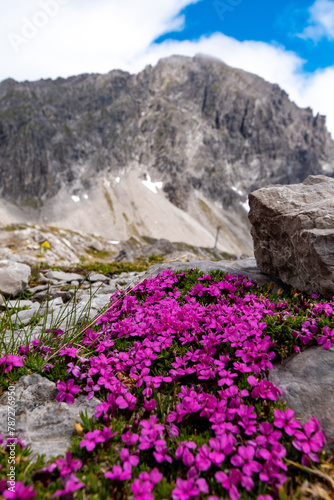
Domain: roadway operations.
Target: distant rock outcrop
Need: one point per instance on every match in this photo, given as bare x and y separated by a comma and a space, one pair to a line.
293, 233
199, 133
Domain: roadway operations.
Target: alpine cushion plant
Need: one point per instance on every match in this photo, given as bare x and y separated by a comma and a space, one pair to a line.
186, 410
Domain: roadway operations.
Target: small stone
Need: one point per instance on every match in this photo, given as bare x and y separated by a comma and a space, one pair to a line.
38, 288
95, 245
14, 277
42, 278
98, 277
62, 276
11, 304
123, 255
24, 316
65, 295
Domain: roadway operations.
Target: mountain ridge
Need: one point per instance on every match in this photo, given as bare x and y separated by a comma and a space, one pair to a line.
209, 133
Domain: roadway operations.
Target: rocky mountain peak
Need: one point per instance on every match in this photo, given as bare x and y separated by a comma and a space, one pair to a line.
208, 132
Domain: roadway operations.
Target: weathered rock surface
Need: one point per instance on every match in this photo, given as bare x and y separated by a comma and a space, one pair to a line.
307, 381
14, 277
293, 233
42, 422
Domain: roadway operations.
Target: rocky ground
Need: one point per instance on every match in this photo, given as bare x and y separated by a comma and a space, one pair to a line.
35, 244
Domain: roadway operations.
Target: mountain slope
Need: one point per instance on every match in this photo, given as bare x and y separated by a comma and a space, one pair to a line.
209, 133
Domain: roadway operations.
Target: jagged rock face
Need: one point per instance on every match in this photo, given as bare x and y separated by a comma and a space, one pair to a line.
194, 123
293, 233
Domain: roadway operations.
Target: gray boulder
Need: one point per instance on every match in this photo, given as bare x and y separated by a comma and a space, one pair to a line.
307, 381
42, 422
293, 233
14, 277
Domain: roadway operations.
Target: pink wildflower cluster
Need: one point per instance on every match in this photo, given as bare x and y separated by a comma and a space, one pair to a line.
223, 342
66, 469
221, 355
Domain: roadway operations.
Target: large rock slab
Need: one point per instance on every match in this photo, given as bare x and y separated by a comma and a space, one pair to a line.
40, 421
14, 277
307, 381
293, 233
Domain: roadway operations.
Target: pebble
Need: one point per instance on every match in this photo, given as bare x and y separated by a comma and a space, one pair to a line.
61, 276
98, 277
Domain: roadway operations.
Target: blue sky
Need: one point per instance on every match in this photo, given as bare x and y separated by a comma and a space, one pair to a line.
290, 43
281, 22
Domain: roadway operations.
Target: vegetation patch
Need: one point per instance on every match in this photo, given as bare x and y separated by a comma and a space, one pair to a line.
110, 203
180, 364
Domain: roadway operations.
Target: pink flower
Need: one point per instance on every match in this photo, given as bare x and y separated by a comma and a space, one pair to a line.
11, 361
187, 489
264, 389
287, 421
67, 391
183, 450
21, 492
67, 466
230, 482
129, 459
68, 351
71, 486
203, 461
129, 438
142, 490
154, 476
327, 339
244, 459
311, 440
275, 455
91, 439
23, 350
128, 401
161, 454
150, 405
120, 474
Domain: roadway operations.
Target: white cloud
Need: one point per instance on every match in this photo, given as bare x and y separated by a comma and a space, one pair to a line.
51, 38
321, 21
81, 36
